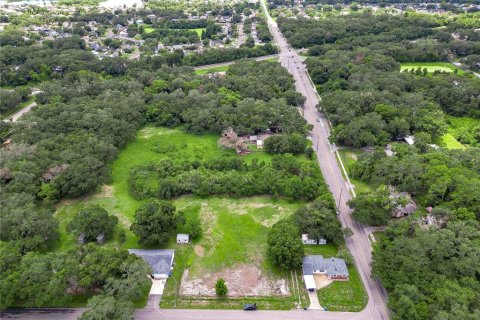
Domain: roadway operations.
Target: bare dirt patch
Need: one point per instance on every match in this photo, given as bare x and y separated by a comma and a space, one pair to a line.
105, 192
241, 280
208, 219
199, 250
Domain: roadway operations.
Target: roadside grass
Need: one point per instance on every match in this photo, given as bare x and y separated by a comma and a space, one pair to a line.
431, 67
349, 156
211, 70
11, 112
344, 295
378, 235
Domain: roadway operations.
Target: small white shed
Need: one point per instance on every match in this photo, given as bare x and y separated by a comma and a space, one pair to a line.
259, 144
183, 238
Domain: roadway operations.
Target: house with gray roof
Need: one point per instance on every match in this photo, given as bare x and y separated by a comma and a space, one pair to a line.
160, 260
316, 266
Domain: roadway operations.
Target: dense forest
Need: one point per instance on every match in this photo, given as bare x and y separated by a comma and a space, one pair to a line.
355, 65
429, 261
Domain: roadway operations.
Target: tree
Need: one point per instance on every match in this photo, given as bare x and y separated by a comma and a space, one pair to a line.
107, 308
250, 42
91, 222
285, 143
372, 208
319, 220
285, 247
221, 288
154, 222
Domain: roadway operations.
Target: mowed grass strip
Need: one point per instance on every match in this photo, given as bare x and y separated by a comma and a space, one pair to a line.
431, 66
349, 156
211, 70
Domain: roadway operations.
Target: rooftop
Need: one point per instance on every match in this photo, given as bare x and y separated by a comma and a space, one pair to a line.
332, 266
160, 260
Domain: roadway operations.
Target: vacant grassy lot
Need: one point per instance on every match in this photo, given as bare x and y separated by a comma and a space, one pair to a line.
349, 157
198, 31
431, 66
234, 231
212, 70
150, 145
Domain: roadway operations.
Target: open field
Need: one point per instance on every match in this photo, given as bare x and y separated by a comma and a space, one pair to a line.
349, 157
455, 127
148, 28
115, 197
448, 141
198, 31
431, 66
212, 70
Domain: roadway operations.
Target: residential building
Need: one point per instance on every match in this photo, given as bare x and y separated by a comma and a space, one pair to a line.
160, 260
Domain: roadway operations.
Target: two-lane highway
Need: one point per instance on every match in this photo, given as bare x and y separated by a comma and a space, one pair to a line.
358, 244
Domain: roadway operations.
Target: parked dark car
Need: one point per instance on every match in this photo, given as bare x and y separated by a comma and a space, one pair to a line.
250, 307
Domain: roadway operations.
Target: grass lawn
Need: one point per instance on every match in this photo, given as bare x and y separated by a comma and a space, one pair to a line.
431, 66
455, 126
148, 28
448, 141
22, 105
212, 70
327, 251
344, 295
349, 157
198, 31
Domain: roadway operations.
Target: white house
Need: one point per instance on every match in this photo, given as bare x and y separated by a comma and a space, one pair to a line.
307, 240
183, 238
259, 144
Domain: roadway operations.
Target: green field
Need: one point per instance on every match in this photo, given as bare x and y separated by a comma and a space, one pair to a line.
198, 31
349, 157
148, 29
431, 66
455, 126
211, 70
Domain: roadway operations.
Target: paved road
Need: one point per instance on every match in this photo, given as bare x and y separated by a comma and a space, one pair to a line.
358, 244
172, 314
17, 115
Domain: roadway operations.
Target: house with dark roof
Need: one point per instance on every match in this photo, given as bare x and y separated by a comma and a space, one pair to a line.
160, 260
316, 268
